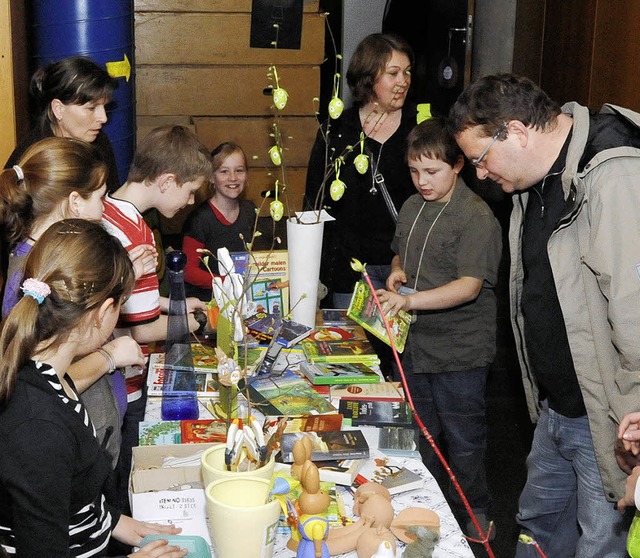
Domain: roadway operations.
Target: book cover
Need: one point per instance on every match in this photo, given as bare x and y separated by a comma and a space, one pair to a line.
376, 412
389, 473
353, 350
331, 445
264, 326
286, 394
268, 274
339, 472
303, 423
206, 384
384, 391
159, 432
327, 373
364, 311
204, 359
399, 441
286, 358
203, 431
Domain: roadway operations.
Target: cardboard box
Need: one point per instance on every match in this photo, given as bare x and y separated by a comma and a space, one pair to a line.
149, 494
222, 38
147, 473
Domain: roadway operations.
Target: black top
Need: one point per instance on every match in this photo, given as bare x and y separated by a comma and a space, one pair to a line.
547, 341
52, 472
363, 228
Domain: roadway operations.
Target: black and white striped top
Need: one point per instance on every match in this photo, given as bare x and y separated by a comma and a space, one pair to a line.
52, 472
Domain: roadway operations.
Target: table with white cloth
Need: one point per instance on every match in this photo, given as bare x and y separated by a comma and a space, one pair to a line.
452, 543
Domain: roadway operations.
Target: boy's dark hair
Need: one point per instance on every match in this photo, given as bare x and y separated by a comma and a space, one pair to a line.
432, 138
493, 100
73, 81
369, 61
170, 149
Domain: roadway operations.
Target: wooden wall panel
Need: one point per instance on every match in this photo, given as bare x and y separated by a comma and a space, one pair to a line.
206, 5
616, 55
253, 135
145, 124
218, 38
222, 90
568, 50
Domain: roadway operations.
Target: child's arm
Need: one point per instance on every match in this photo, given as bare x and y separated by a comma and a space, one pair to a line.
157, 329
449, 295
124, 351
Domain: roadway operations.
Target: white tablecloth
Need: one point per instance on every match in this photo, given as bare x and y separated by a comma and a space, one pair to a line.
452, 543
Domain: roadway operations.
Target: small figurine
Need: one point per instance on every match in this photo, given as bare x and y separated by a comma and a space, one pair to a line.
313, 525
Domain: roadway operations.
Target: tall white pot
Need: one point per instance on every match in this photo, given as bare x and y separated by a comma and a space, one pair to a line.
304, 242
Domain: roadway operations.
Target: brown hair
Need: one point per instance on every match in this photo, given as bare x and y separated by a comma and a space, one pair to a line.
83, 265
53, 168
493, 100
170, 149
431, 138
369, 61
73, 81
219, 155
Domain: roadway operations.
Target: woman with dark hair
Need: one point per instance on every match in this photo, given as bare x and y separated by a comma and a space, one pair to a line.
70, 98
379, 77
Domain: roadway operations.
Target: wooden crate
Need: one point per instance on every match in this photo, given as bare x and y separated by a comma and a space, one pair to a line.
218, 38
206, 5
222, 90
253, 135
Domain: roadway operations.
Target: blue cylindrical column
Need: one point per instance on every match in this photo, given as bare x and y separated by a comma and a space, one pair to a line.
103, 31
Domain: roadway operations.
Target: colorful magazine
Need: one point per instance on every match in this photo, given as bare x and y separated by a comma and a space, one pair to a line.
286, 394
327, 373
354, 350
364, 311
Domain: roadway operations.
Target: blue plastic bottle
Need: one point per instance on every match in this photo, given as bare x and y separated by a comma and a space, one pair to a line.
179, 397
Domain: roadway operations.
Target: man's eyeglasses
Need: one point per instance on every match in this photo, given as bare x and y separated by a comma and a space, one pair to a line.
499, 133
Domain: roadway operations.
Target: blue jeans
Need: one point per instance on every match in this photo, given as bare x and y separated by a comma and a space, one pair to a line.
452, 406
378, 275
563, 506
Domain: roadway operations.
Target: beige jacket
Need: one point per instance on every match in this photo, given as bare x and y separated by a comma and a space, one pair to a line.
595, 258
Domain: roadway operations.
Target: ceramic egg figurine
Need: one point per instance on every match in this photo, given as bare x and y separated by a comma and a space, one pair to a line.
361, 163
275, 154
280, 97
336, 190
276, 209
336, 106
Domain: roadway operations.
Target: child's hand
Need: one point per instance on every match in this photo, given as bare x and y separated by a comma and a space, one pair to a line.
159, 548
397, 278
125, 351
629, 432
392, 303
629, 490
144, 259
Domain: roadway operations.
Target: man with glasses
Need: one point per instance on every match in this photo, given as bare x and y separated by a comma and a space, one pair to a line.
575, 289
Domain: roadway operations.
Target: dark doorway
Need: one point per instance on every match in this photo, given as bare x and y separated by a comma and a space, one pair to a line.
439, 33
